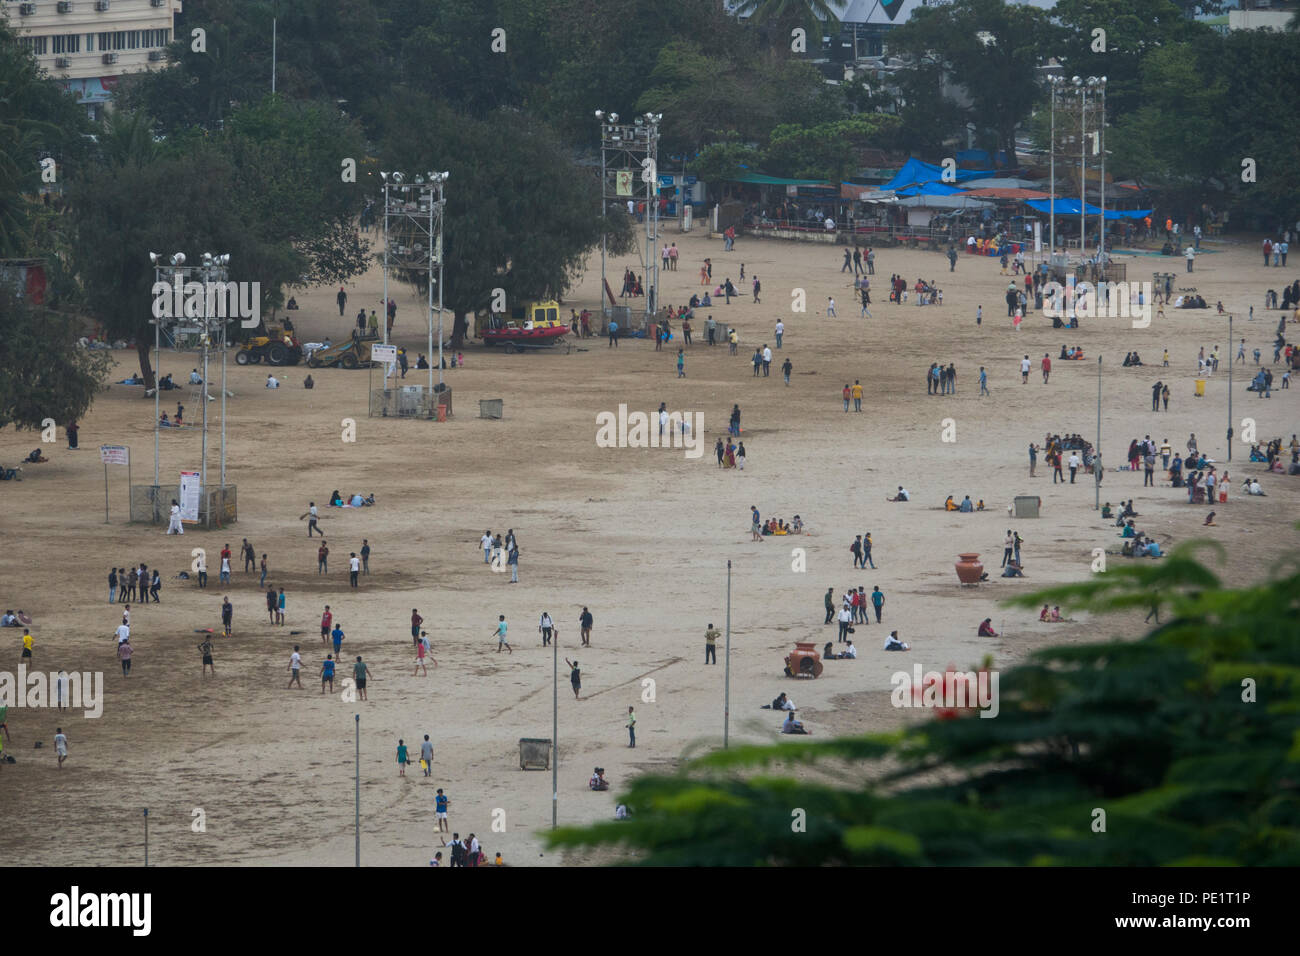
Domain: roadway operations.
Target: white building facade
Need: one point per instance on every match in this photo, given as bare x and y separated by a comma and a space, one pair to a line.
88, 44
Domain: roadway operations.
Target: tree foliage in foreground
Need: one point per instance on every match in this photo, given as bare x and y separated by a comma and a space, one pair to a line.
1160, 732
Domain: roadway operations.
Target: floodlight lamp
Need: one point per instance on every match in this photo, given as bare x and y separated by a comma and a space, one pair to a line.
398, 177
178, 259
207, 258
1076, 80
154, 257
384, 176
224, 259
600, 114
613, 117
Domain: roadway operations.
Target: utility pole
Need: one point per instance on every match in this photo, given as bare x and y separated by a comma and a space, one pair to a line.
726, 694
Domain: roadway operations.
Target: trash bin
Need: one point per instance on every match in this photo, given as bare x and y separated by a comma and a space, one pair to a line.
491, 407
1027, 506
442, 413
1200, 388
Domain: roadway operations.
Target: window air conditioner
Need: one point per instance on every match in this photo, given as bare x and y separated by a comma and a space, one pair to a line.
26, 9
110, 57
65, 6
62, 63
155, 55
101, 5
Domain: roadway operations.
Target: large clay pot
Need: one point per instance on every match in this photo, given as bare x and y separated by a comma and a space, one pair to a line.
969, 568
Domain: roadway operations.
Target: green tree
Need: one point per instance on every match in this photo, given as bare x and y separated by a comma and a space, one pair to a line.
46, 373
991, 50
1186, 738
826, 151
519, 216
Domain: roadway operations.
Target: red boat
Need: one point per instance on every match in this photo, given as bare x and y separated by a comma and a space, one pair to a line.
538, 326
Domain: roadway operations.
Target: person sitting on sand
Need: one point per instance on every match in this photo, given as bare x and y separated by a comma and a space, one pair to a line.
336, 499
950, 505
308, 382
892, 643
1129, 531
986, 628
901, 496
35, 458
966, 505
598, 781
1106, 511
792, 726
850, 653
1209, 520
1013, 570
1152, 549
1045, 615
1252, 488
1056, 614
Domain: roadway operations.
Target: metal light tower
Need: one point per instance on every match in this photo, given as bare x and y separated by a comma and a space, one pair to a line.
413, 214
629, 153
1054, 80
1100, 87
1082, 90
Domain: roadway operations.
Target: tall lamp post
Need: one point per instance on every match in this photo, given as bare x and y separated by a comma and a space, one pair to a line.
1054, 80
726, 693
1231, 360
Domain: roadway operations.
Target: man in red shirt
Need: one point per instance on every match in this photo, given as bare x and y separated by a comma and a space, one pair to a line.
1047, 367
326, 620
416, 621
848, 392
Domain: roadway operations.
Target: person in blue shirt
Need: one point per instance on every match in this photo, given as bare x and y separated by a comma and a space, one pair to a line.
327, 673
877, 601
966, 505
500, 632
337, 636
613, 334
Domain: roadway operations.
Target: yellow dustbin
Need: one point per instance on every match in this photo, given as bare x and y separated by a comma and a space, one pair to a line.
1200, 388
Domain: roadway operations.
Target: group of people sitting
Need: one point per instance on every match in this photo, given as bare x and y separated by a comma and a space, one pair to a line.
778, 526
10, 619
177, 422
1132, 359
850, 653
1071, 354
965, 506
1192, 301
35, 458
354, 501
598, 781
1051, 615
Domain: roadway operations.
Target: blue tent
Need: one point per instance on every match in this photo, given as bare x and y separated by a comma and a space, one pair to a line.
916, 173
1070, 207
928, 189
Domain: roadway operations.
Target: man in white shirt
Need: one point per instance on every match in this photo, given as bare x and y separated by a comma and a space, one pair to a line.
195, 378
780, 331
1074, 463
845, 617
1024, 370
792, 726
892, 643
767, 361
485, 543
295, 665
271, 382
174, 522
354, 568
850, 652
123, 632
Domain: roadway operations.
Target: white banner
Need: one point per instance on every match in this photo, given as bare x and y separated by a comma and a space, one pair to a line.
386, 354
189, 495
114, 454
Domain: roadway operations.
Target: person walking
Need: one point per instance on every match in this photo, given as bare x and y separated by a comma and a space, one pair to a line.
124, 652
295, 667
322, 558
1008, 547
631, 727
758, 287
512, 559
877, 601
365, 556
711, 635
830, 307
584, 622
786, 369
361, 673
312, 525
1075, 462
984, 382
780, 332
857, 395
1047, 367
545, 626
342, 299
354, 568
830, 605
1024, 370
500, 634
575, 678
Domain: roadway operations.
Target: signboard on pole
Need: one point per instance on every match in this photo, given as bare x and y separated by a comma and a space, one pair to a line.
384, 353
115, 454
623, 182
190, 482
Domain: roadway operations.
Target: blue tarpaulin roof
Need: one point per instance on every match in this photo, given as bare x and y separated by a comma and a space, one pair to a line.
1069, 207
916, 173
928, 189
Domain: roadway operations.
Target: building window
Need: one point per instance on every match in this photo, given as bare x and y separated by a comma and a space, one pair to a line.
67, 43
106, 41
90, 43
38, 45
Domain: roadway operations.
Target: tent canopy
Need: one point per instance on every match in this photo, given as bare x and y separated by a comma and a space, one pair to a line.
991, 193
1070, 207
916, 173
944, 202
1009, 182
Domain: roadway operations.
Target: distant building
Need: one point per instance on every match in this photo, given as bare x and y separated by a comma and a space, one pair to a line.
88, 44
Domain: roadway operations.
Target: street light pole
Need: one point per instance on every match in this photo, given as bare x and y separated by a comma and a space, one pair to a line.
357, 823
555, 728
1097, 501
1231, 360
726, 694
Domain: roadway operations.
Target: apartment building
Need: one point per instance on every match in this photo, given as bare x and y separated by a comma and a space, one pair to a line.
88, 44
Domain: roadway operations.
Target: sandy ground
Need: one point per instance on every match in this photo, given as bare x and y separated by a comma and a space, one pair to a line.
642, 536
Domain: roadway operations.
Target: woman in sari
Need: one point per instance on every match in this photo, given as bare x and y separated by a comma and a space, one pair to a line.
730, 457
